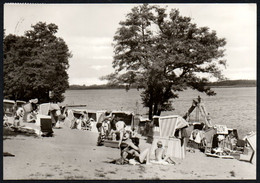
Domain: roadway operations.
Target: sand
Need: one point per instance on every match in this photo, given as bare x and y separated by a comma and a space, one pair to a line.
73, 154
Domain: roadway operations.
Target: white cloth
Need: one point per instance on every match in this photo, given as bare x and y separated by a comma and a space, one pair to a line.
200, 135
35, 101
20, 112
221, 137
221, 129
120, 125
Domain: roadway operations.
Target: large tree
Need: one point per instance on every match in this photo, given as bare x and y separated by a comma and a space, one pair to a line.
163, 53
35, 64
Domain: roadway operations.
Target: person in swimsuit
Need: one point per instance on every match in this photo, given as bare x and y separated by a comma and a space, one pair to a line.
159, 152
131, 151
160, 155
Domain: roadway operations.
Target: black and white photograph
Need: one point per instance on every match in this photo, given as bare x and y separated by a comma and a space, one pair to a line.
129, 91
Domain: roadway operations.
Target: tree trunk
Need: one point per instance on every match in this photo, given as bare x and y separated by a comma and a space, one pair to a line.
155, 109
150, 112
159, 110
159, 113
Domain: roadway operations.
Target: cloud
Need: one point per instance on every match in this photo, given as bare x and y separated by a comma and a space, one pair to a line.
90, 48
90, 41
241, 73
98, 67
102, 57
88, 30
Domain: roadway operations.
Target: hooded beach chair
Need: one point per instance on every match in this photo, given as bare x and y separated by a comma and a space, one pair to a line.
168, 126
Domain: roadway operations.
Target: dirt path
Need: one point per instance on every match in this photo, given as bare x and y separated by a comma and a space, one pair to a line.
73, 154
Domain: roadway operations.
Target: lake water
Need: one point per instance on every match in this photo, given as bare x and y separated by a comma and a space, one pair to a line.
235, 107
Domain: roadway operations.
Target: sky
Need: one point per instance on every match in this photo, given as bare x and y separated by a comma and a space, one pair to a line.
88, 30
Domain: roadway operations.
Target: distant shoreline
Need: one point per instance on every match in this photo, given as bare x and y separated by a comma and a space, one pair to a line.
135, 88
221, 84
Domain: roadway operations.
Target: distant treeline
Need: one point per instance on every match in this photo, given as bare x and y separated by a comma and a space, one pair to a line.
234, 83
83, 87
227, 83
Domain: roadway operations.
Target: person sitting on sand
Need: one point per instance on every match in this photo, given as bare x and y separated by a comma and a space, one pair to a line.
31, 118
131, 151
160, 155
85, 123
159, 152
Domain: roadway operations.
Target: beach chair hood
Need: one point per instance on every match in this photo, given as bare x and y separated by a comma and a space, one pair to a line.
251, 140
46, 107
169, 124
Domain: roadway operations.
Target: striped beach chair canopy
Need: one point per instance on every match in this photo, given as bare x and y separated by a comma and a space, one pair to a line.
169, 124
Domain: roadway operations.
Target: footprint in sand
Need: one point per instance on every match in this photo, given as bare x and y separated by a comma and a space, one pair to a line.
100, 175
112, 172
98, 170
49, 175
79, 177
69, 177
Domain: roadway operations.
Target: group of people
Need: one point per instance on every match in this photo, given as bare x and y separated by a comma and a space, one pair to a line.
19, 113
130, 152
83, 122
109, 127
113, 128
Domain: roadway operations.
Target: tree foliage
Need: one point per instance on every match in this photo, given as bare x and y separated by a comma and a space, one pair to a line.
163, 53
35, 64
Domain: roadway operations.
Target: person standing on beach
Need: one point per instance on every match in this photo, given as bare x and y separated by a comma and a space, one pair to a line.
104, 117
18, 118
120, 127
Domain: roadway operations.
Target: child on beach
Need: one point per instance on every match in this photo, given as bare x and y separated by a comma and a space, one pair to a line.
160, 155
159, 152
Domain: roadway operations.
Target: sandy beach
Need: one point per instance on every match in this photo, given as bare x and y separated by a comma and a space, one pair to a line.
73, 154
